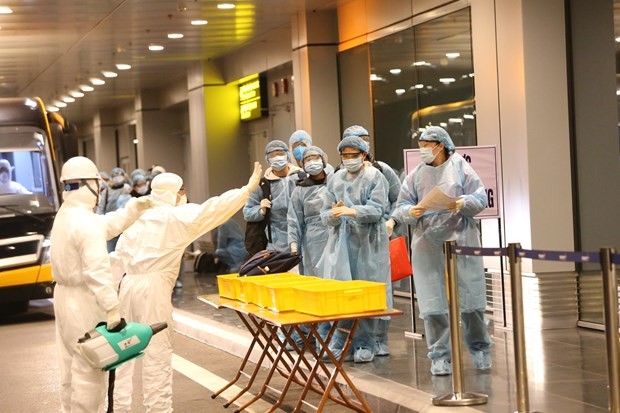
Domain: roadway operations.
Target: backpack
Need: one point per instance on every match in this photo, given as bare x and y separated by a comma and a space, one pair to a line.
255, 237
269, 262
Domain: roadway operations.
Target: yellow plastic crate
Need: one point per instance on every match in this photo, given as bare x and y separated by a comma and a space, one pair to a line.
249, 285
346, 297
229, 286
279, 295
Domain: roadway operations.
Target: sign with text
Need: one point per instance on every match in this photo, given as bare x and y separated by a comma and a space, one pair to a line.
251, 91
484, 161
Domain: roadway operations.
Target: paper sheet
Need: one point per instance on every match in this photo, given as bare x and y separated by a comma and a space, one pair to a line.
437, 200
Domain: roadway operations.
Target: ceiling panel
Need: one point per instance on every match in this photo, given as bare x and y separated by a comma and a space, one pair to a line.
49, 47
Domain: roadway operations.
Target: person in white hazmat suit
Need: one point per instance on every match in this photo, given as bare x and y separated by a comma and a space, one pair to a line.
151, 251
85, 292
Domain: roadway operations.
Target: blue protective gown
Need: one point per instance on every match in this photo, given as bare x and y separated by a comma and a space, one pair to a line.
456, 178
357, 248
304, 224
281, 191
230, 245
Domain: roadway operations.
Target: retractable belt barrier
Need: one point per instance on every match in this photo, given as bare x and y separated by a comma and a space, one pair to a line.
607, 258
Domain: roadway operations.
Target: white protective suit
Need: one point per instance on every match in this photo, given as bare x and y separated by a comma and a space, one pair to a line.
151, 251
84, 291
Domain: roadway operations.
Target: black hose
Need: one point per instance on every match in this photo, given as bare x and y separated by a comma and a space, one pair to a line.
111, 379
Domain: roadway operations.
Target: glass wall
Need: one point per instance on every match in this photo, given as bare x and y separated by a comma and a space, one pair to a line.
420, 76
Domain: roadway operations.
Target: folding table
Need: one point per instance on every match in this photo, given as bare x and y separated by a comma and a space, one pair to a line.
301, 365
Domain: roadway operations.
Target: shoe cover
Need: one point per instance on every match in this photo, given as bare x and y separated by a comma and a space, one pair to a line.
381, 349
482, 360
363, 355
337, 352
441, 367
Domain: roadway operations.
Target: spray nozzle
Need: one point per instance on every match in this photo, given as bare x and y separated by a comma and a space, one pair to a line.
157, 327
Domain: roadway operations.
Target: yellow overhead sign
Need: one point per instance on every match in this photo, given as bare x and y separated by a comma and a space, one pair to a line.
250, 97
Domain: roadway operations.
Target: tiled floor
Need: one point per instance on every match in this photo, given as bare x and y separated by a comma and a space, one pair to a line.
566, 368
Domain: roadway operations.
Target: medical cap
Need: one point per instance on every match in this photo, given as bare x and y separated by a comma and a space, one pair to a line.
167, 181
438, 134
137, 172
355, 130
4, 164
276, 145
300, 136
354, 142
315, 150
117, 171
156, 170
138, 179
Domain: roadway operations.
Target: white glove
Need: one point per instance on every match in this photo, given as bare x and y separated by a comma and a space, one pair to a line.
293, 248
255, 178
389, 225
113, 318
140, 204
343, 211
264, 204
457, 206
417, 211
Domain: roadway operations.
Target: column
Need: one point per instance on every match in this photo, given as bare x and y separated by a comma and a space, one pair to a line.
104, 131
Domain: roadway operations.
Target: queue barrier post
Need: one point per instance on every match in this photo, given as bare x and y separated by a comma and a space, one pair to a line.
610, 299
457, 397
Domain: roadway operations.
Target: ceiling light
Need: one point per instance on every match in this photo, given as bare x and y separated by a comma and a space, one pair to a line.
199, 22
5, 10
51, 108
471, 75
395, 71
67, 99
156, 47
443, 124
618, 39
76, 94
374, 77
96, 81
175, 35
123, 66
225, 6
446, 80
86, 88
468, 116
107, 73
60, 104
452, 55
420, 63
456, 120
419, 86
400, 91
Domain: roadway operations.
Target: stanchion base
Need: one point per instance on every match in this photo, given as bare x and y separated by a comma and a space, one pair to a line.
460, 399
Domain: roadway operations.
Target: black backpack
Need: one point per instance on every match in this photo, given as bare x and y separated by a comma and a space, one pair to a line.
269, 262
255, 238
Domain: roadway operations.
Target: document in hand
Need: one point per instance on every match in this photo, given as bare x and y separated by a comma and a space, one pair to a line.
437, 200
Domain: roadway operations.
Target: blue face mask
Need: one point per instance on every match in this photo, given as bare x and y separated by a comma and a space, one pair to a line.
314, 167
278, 162
353, 165
298, 152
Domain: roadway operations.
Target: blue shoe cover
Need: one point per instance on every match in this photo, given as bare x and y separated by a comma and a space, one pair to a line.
337, 352
381, 349
482, 360
363, 355
441, 367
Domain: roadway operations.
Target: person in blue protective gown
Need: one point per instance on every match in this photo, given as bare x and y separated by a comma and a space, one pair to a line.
354, 207
383, 324
230, 248
306, 232
281, 176
444, 168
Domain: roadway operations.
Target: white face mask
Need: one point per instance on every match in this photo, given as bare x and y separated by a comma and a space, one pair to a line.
4, 177
427, 155
278, 162
142, 190
314, 167
182, 200
118, 179
353, 165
